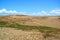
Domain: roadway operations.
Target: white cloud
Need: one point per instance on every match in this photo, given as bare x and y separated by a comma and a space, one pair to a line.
55, 11
45, 13
6, 11
11, 12
3, 10
41, 13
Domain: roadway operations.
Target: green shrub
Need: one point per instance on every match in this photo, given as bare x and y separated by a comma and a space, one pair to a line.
43, 28
3, 23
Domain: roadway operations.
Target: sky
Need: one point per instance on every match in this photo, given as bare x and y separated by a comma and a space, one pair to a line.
30, 7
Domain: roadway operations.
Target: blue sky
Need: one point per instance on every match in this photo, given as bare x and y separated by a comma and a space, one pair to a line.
32, 7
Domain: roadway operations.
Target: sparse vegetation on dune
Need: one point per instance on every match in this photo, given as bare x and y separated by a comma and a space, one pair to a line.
47, 33
26, 27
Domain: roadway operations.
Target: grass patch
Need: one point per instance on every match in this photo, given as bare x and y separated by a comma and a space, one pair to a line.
26, 27
3, 23
46, 28
23, 27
